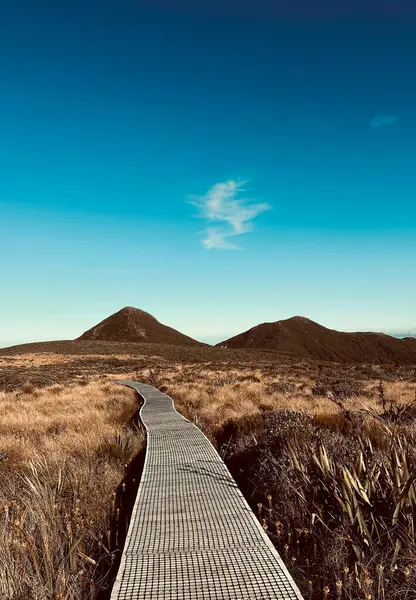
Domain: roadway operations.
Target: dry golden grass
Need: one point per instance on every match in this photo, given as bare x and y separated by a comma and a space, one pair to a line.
51, 358
211, 397
63, 452
327, 457
61, 459
61, 421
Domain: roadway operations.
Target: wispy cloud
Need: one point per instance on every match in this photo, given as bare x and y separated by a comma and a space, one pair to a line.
384, 120
214, 238
223, 205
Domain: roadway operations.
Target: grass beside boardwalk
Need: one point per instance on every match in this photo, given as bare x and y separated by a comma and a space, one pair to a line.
336, 496
63, 452
327, 460
325, 454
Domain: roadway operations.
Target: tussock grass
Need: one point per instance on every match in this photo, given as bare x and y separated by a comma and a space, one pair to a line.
327, 459
339, 502
212, 395
63, 453
324, 453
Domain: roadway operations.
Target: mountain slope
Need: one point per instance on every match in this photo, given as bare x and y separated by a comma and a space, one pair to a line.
302, 337
134, 325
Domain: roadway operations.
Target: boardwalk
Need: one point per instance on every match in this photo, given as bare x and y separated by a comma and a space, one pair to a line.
192, 534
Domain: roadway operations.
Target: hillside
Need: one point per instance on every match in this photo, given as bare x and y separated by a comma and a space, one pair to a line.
304, 338
134, 325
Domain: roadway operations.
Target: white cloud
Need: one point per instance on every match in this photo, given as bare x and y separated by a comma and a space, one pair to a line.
217, 239
222, 205
384, 120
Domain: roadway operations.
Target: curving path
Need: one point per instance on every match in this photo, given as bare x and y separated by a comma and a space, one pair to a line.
192, 534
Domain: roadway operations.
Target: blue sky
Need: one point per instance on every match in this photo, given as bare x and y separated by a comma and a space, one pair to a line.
218, 166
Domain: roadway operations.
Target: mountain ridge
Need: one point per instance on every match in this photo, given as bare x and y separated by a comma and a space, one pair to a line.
307, 339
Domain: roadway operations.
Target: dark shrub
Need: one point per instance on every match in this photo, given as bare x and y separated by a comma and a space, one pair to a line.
342, 387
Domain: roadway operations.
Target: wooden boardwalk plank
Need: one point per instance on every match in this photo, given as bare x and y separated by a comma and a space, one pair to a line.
192, 535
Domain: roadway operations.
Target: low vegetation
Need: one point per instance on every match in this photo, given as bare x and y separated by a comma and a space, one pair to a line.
63, 456
336, 496
325, 454
328, 464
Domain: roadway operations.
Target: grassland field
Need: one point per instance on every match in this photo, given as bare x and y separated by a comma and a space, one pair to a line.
325, 454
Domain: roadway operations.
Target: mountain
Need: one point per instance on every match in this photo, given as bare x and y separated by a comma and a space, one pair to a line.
304, 338
134, 325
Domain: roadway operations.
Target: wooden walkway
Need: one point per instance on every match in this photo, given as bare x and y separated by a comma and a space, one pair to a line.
192, 534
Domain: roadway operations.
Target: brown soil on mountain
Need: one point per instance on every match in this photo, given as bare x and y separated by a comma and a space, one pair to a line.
134, 325
304, 338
